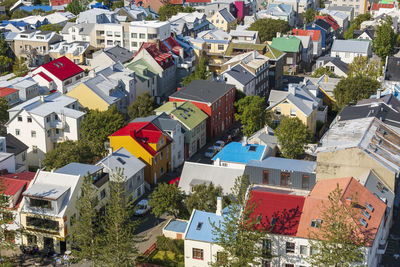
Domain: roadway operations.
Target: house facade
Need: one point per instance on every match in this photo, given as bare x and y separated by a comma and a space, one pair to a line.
26, 86
347, 50
224, 20
293, 49
11, 95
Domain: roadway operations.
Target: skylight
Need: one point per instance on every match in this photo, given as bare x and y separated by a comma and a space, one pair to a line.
121, 161
369, 206
363, 222
252, 148
366, 214
316, 223
199, 225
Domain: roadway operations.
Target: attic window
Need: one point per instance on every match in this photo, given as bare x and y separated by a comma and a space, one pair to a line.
55, 64
366, 214
316, 223
273, 221
199, 225
369, 206
363, 222
60, 64
121, 161
252, 148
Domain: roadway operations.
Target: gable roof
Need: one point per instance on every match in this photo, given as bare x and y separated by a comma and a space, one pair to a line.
203, 91
286, 44
330, 20
285, 164
239, 153
241, 74
118, 54
62, 68
280, 9
14, 145
354, 46
5, 91
226, 15
200, 226
12, 186
81, 169
164, 59
367, 31
336, 61
162, 121
315, 34
320, 23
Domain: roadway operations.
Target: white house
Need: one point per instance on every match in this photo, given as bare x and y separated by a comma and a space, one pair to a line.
147, 31
27, 87
44, 121
347, 50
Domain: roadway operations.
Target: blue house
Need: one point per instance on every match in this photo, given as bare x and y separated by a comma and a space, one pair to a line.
325, 29
238, 155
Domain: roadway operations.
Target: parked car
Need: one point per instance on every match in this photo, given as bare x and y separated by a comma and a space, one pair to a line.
142, 207
210, 152
218, 145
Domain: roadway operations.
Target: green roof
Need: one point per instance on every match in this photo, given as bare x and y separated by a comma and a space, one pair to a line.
270, 52
286, 44
185, 112
138, 66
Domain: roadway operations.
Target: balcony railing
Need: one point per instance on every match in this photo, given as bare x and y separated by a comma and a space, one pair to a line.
57, 124
381, 249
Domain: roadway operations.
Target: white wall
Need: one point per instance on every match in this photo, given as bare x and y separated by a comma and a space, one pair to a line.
8, 163
209, 251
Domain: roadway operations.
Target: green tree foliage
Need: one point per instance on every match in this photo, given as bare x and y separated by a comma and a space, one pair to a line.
149, 17
251, 113
3, 46
385, 40
353, 89
117, 4
349, 33
200, 72
356, 24
18, 14
98, 125
364, 67
204, 197
86, 231
142, 107
67, 152
292, 135
19, 67
238, 232
309, 15
166, 198
338, 241
7, 5
51, 27
321, 3
76, 6
321, 71
267, 28
168, 10
6, 217
3, 113
119, 247
5, 64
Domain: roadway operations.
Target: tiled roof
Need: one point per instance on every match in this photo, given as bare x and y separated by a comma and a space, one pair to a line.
62, 68
280, 213
315, 35
377, 6
5, 91
286, 43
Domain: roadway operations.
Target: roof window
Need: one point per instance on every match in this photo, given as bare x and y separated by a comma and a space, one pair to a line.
121, 161
366, 214
363, 222
369, 206
199, 225
316, 223
253, 148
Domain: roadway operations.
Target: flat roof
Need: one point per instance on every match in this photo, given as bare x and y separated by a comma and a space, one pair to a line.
176, 226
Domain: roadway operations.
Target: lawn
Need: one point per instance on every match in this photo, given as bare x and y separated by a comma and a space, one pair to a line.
166, 258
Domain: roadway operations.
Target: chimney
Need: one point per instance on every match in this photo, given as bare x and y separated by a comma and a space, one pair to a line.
218, 212
378, 94
278, 34
292, 89
174, 105
42, 98
326, 78
244, 142
229, 67
217, 162
110, 151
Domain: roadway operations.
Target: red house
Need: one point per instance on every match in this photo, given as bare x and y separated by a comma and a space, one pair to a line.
213, 98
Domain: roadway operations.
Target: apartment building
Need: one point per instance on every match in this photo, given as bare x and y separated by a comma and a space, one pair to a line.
147, 31
44, 121
77, 52
359, 7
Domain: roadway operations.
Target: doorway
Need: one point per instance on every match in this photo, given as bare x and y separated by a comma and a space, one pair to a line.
48, 243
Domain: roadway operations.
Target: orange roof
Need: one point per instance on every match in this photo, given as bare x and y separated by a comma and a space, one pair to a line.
377, 6
315, 34
5, 91
351, 189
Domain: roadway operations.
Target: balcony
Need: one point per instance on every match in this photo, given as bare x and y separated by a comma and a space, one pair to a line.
57, 124
382, 248
185, 65
57, 139
42, 225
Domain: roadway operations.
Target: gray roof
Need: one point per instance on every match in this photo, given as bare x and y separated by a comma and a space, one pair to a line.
336, 61
354, 46
81, 169
197, 173
162, 121
124, 160
392, 70
305, 40
203, 91
85, 28
14, 145
241, 74
102, 86
226, 15
388, 99
340, 8
118, 53
49, 191
285, 164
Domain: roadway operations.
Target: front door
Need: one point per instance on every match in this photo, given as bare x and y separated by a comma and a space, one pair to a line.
63, 247
48, 243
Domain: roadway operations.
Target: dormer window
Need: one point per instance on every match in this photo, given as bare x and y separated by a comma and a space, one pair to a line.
39, 203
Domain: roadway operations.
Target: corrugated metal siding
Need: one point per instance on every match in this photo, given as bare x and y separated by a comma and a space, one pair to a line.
256, 177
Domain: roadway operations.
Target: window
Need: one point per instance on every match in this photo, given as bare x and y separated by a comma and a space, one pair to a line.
221, 257
17, 132
289, 60
29, 119
198, 254
289, 265
134, 44
42, 223
19, 118
220, 47
303, 250
117, 34
34, 149
267, 246
305, 182
293, 112
142, 35
366, 214
278, 111
162, 170
109, 33
134, 35
313, 250
290, 247
102, 194
24, 156
209, 47
33, 134
316, 223
48, 133
32, 240
369, 206
265, 177
39, 203
285, 179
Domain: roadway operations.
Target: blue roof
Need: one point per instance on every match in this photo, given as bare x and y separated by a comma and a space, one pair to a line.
285, 164
176, 226
202, 232
237, 152
75, 168
395, 91
31, 8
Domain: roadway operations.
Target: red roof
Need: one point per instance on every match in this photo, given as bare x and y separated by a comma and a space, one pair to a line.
315, 34
62, 68
330, 20
143, 133
164, 59
170, 45
12, 186
377, 6
283, 210
27, 176
44, 76
5, 91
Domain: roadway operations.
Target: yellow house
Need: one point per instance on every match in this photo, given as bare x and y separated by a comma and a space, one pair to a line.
146, 142
296, 102
224, 20
88, 98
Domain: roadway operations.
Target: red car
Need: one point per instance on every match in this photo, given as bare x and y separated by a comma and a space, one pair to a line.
175, 181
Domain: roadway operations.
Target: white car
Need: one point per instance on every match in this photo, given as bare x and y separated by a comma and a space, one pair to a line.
218, 145
142, 207
210, 152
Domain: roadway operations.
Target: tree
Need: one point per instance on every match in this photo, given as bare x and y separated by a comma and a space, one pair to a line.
166, 199
5, 64
4, 48
119, 247
363, 66
18, 14
6, 217
309, 15
67, 152
349, 33
353, 89
200, 72
98, 125
3, 113
237, 233
142, 107
76, 6
19, 67
51, 27
204, 197
267, 28
321, 71
338, 241
117, 4
168, 10
385, 40
149, 17
7, 5
251, 112
292, 135
85, 231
